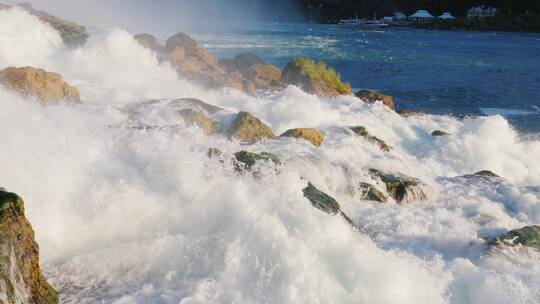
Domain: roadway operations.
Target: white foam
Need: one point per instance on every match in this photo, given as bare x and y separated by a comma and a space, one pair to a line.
129, 216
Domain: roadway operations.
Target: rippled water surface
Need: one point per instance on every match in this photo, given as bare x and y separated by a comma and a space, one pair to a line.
443, 72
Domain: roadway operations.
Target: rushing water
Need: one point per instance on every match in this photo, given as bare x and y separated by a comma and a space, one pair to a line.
444, 72
144, 216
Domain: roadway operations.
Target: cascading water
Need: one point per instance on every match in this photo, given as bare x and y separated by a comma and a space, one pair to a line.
124, 215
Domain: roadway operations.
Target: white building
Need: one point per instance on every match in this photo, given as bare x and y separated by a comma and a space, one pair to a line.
447, 16
421, 15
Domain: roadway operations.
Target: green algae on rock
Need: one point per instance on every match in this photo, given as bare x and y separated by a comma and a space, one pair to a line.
314, 77
248, 159
369, 192
404, 189
526, 236
324, 202
20, 276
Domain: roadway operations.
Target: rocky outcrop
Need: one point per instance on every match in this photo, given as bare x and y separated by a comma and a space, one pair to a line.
314, 136
255, 70
207, 124
362, 131
438, 133
403, 189
21, 280
315, 78
369, 192
324, 202
248, 159
371, 97
46, 86
72, 34
249, 128
194, 63
526, 236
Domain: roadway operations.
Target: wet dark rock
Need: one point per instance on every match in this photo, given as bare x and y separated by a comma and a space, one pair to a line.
371, 97
407, 112
324, 202
21, 278
369, 192
526, 236
439, 133
362, 131
404, 189
248, 159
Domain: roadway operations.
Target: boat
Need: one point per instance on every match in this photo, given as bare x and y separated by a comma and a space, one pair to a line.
372, 24
348, 22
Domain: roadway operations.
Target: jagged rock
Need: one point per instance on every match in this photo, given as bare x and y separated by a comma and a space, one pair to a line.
369, 192
362, 131
404, 189
46, 86
315, 78
407, 113
314, 136
487, 173
21, 279
149, 41
264, 76
182, 41
207, 124
240, 62
248, 159
249, 128
324, 202
439, 133
527, 236
372, 96
72, 34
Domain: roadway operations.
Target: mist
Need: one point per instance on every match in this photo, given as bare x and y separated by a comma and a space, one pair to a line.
168, 15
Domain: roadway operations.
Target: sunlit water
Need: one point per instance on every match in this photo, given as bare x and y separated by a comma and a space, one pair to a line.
132, 216
443, 72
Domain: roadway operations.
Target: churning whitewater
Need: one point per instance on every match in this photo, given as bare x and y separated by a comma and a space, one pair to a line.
131, 215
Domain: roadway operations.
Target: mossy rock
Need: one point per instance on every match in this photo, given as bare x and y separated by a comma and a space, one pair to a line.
526, 236
369, 192
314, 77
324, 202
371, 96
403, 189
314, 136
248, 159
249, 128
362, 131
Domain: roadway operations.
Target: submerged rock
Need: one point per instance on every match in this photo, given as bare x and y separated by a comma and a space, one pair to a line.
526, 236
21, 278
404, 189
314, 136
207, 124
46, 86
248, 159
197, 105
362, 131
439, 133
324, 202
485, 175
369, 192
407, 112
371, 96
249, 128
314, 77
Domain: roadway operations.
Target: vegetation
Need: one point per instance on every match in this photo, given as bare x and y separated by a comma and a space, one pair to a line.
319, 71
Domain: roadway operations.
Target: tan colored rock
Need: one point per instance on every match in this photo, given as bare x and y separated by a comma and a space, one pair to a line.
48, 87
207, 124
249, 128
20, 276
314, 136
372, 96
182, 41
264, 76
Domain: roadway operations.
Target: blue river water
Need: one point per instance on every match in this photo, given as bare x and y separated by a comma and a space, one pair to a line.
440, 72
